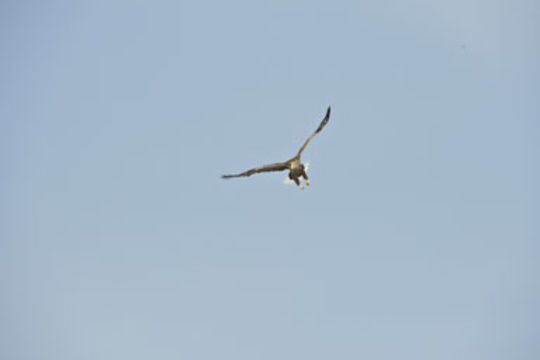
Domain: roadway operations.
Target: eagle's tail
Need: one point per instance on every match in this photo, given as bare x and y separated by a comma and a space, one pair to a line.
288, 181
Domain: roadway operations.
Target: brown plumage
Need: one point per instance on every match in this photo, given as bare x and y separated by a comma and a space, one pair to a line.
294, 165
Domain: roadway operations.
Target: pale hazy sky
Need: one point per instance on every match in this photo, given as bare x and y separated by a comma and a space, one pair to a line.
418, 239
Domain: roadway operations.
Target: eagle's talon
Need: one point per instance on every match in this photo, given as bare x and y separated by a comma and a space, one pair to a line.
308, 182
301, 187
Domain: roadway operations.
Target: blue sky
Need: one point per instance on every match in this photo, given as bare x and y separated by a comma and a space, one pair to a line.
418, 239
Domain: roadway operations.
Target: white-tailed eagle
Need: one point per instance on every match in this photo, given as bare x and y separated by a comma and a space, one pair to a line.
297, 170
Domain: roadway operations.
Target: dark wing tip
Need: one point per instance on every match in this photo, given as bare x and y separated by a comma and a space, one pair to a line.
328, 112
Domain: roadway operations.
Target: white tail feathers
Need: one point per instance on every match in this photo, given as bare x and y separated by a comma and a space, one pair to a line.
288, 181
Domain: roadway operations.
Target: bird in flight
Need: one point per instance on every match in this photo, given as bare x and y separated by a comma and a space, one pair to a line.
297, 170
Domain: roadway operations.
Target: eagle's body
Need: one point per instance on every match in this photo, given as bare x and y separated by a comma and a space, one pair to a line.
297, 170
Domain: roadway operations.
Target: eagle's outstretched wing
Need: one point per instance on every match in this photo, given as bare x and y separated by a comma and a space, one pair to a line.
263, 168
321, 126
